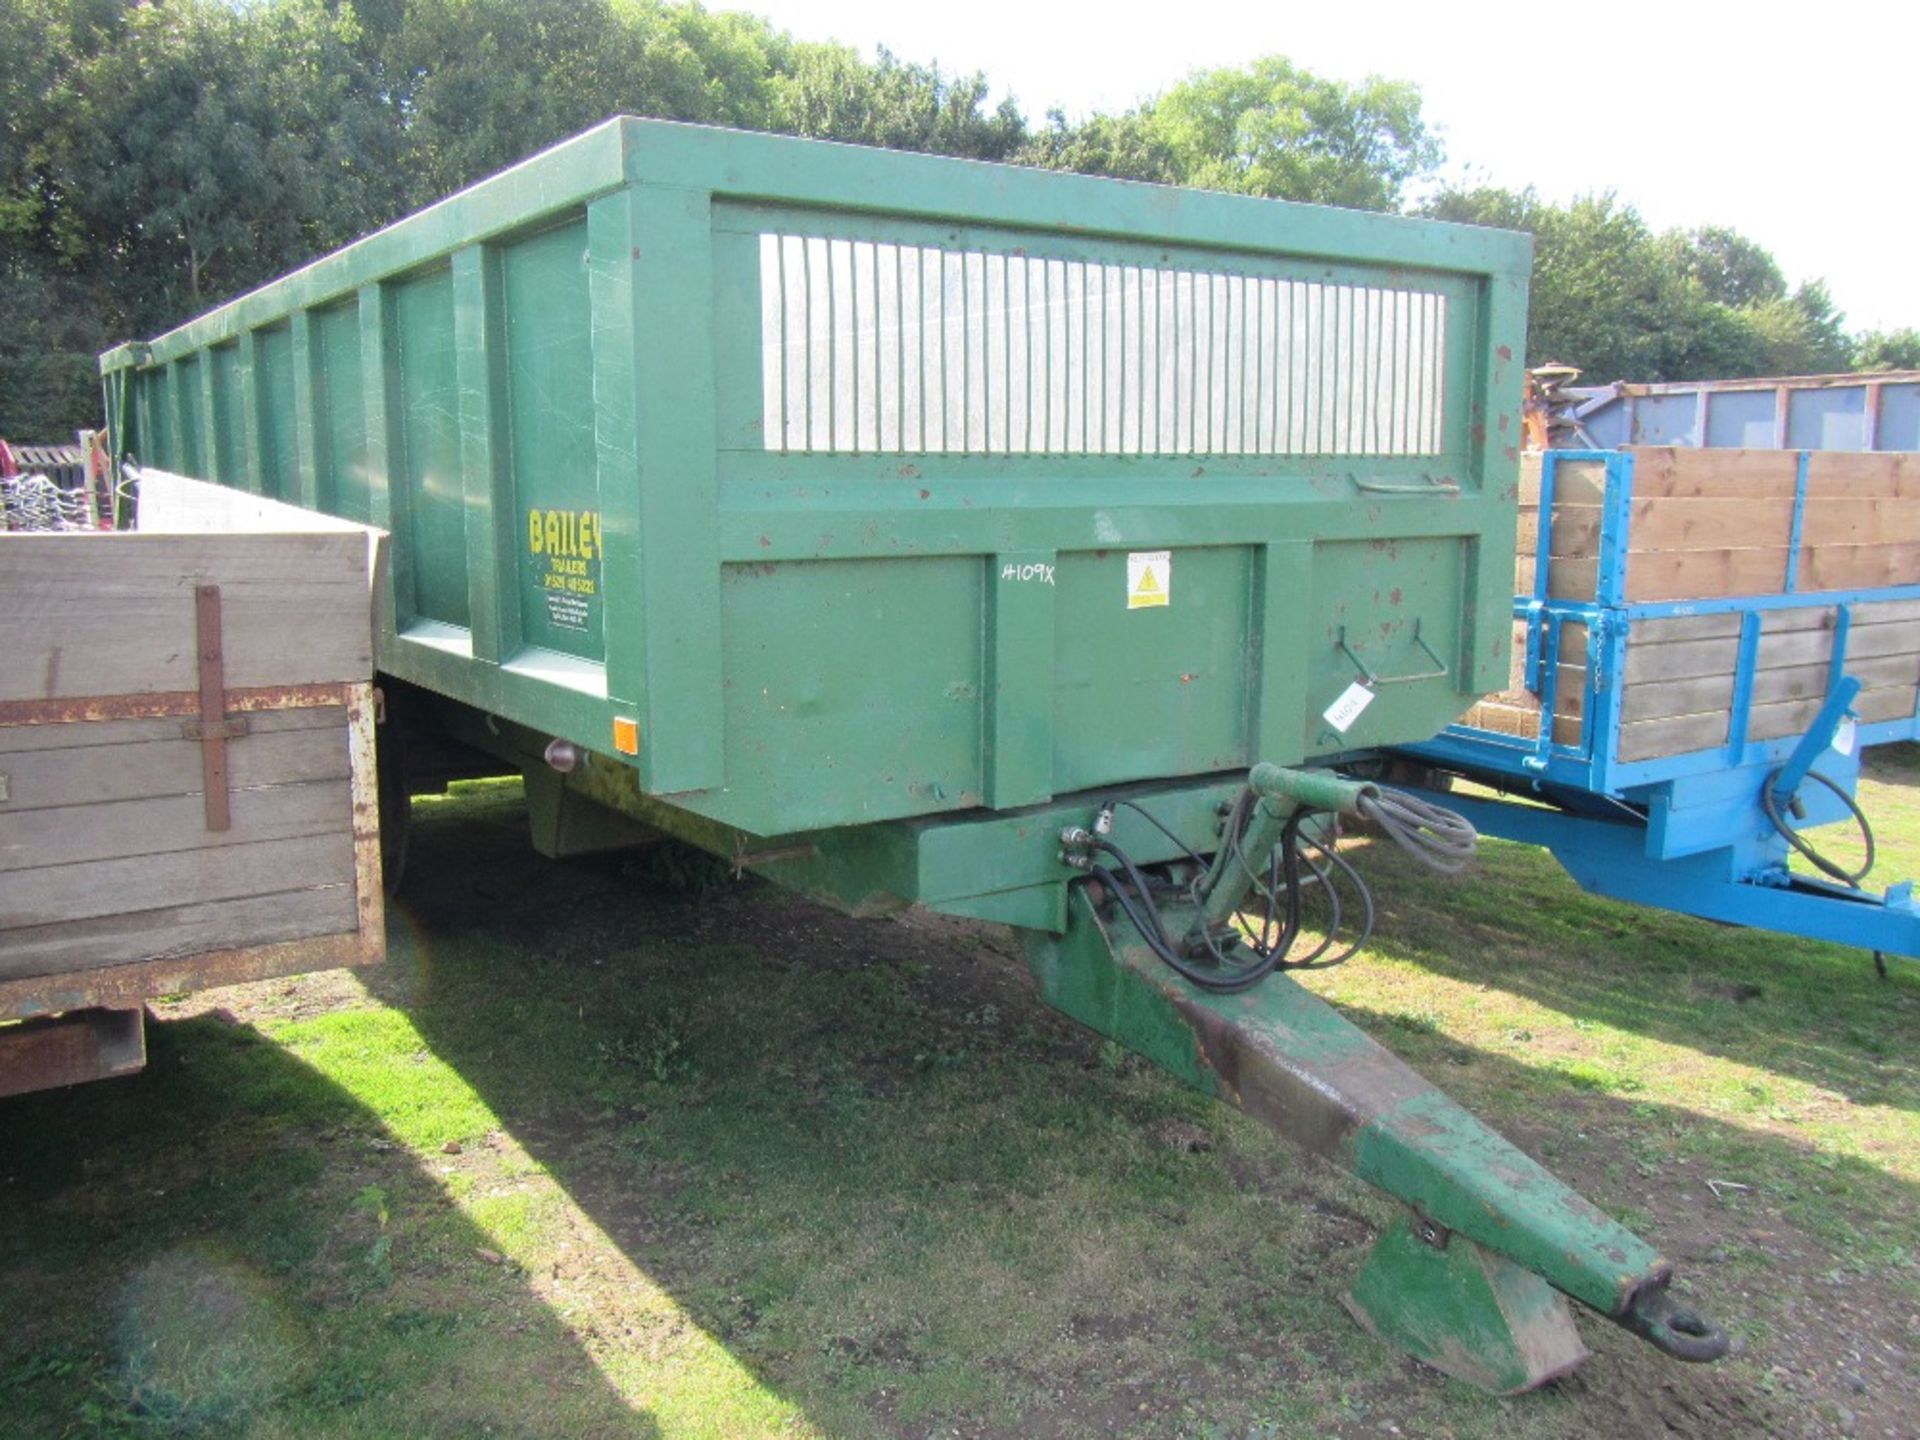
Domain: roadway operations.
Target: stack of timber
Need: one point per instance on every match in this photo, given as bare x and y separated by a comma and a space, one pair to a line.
187, 783
1715, 525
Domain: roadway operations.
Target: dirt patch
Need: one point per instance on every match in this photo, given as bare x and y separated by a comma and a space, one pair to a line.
845, 1189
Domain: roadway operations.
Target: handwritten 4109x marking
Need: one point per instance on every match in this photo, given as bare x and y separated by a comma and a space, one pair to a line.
1035, 573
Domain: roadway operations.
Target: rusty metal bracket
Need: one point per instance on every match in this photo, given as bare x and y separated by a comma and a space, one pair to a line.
50, 1051
167, 704
744, 859
213, 727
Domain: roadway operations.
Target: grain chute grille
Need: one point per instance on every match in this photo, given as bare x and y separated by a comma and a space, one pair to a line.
880, 347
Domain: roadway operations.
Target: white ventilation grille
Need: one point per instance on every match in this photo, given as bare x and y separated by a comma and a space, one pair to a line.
875, 347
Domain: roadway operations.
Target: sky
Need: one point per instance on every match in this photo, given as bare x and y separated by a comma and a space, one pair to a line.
1792, 124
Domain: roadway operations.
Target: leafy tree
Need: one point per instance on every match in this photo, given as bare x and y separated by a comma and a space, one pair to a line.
1888, 350
1729, 267
1606, 295
1802, 333
53, 307
1269, 128
158, 156
829, 92
212, 148
1625, 303
480, 84
1274, 129
1124, 147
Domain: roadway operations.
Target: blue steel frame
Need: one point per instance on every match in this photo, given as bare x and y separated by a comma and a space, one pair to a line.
1685, 832
1593, 764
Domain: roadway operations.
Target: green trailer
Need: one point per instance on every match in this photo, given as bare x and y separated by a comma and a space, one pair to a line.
915, 531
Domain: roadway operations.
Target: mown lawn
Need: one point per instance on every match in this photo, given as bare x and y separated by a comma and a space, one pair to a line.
623, 1148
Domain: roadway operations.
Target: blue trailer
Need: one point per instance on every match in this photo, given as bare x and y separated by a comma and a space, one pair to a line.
1799, 412
1705, 642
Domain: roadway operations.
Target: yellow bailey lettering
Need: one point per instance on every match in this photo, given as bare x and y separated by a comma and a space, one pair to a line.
574, 534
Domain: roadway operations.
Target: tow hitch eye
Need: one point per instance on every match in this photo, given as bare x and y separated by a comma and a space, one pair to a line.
1663, 1322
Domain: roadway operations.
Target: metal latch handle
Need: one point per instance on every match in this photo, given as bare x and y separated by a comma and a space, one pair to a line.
1424, 486
1374, 681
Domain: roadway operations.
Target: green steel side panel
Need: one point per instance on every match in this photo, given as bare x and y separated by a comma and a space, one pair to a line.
340, 406
549, 339
229, 442
1155, 690
890, 182
379, 394
853, 689
662, 343
153, 420
273, 383
429, 484
189, 406
578, 394
1390, 602
494, 541
1494, 432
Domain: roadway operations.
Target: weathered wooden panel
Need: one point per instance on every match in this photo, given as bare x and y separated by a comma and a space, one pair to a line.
166, 824
49, 766
1833, 473
1859, 567
1706, 693
1671, 575
1576, 531
1771, 722
136, 859
1880, 612
1676, 735
153, 882
1705, 574
1717, 524
1519, 721
1780, 645
1684, 473
94, 614
175, 932
1575, 482
1671, 629
1684, 667
1855, 520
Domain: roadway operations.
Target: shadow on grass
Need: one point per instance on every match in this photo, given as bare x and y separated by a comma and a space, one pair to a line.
901, 1192
230, 1244
1516, 922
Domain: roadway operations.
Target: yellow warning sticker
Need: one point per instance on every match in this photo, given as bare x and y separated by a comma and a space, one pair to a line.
1149, 578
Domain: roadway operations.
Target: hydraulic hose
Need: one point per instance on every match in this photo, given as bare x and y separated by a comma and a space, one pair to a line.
1837, 871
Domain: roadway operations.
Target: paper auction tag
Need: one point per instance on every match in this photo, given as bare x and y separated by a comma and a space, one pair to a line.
1343, 712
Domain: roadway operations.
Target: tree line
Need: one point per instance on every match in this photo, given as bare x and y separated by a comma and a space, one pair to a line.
159, 157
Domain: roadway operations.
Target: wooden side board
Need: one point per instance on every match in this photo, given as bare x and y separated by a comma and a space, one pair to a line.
106, 860
1707, 524
1679, 680
1715, 524
114, 614
132, 704
1516, 710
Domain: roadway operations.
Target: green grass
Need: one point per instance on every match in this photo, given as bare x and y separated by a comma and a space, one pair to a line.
597, 1154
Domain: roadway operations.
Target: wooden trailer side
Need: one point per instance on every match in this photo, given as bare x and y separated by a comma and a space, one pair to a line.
1719, 524
188, 792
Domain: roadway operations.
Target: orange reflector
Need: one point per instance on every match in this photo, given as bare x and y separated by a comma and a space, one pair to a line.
626, 735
